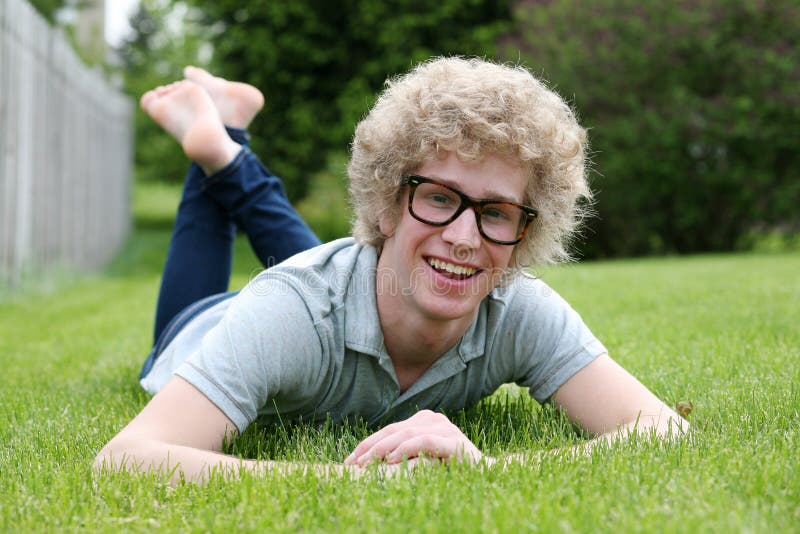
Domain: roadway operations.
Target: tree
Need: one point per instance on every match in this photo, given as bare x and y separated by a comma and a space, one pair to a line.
165, 38
692, 108
48, 8
320, 63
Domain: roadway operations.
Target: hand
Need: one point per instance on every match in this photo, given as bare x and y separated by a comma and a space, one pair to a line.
425, 433
382, 470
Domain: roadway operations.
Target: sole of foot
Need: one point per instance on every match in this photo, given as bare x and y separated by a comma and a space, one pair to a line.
236, 102
186, 111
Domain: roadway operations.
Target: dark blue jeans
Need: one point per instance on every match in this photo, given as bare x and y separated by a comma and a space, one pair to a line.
244, 195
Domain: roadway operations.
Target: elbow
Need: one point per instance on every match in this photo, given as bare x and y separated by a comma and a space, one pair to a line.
115, 455
678, 427
663, 424
104, 461
670, 425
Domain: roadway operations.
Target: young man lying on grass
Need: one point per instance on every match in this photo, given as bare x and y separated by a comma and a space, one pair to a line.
462, 174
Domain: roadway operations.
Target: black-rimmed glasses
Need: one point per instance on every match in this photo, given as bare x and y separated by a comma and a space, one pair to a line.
437, 204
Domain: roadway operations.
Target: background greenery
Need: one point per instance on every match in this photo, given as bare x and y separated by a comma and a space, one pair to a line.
692, 106
693, 110
320, 63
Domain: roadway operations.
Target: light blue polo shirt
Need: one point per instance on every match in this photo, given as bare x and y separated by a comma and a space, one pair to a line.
303, 340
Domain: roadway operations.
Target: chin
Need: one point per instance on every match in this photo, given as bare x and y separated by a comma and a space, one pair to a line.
452, 304
448, 313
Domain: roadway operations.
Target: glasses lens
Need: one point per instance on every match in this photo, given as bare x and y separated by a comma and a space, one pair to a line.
434, 203
501, 221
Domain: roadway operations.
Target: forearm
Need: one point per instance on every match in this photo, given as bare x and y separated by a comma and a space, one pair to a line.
188, 463
667, 431
666, 425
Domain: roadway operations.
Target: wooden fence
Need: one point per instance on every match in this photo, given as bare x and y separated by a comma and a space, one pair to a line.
65, 153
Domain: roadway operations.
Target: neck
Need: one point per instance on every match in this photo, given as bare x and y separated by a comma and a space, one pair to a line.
414, 342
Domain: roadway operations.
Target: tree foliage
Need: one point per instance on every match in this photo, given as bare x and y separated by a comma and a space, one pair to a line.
321, 63
693, 109
48, 8
692, 106
165, 37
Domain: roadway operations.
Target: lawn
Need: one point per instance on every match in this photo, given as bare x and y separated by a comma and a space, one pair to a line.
721, 331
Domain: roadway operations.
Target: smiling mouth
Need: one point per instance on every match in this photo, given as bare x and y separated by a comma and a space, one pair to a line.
451, 270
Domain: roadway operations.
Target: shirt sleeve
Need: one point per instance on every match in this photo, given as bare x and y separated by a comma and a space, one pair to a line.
265, 346
549, 341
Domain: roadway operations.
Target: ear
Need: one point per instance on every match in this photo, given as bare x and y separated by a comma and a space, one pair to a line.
386, 224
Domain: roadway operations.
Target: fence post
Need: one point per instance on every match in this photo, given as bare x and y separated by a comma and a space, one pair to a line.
65, 154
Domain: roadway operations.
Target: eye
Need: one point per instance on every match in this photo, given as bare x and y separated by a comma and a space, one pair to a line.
440, 199
494, 213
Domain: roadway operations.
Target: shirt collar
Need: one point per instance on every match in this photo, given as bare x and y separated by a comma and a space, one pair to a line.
362, 329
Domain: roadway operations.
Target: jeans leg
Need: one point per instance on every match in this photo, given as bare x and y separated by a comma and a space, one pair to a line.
255, 199
200, 252
175, 325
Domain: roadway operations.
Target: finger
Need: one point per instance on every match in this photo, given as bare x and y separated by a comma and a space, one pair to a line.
436, 446
425, 424
407, 467
368, 442
386, 445
365, 445
427, 444
421, 419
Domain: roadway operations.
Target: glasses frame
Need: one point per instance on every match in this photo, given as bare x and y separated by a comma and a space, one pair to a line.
477, 205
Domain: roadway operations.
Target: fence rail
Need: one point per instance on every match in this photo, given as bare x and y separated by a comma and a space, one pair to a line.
65, 153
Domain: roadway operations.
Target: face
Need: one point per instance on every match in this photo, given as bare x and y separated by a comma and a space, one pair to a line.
444, 272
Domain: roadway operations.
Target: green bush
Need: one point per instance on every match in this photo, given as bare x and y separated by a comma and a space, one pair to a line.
325, 208
154, 54
693, 110
320, 63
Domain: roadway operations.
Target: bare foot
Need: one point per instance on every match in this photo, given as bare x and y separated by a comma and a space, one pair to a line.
187, 113
236, 102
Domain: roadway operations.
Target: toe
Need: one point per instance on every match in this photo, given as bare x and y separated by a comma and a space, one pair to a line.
147, 98
196, 73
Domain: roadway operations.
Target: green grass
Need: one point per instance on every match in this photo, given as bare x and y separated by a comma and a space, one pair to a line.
720, 331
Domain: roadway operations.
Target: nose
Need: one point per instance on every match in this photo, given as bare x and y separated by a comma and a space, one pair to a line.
463, 232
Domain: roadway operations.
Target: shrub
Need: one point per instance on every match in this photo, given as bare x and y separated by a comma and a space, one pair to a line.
320, 63
693, 109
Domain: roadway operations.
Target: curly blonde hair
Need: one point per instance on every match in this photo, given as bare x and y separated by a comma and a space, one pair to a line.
473, 108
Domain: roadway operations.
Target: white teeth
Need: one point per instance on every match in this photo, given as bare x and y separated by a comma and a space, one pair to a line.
451, 268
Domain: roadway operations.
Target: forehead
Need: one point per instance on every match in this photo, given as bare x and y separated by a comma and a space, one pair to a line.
490, 177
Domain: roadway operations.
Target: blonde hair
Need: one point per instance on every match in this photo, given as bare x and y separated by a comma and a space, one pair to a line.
473, 108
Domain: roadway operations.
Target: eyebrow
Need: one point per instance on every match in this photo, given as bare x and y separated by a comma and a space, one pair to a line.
494, 195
